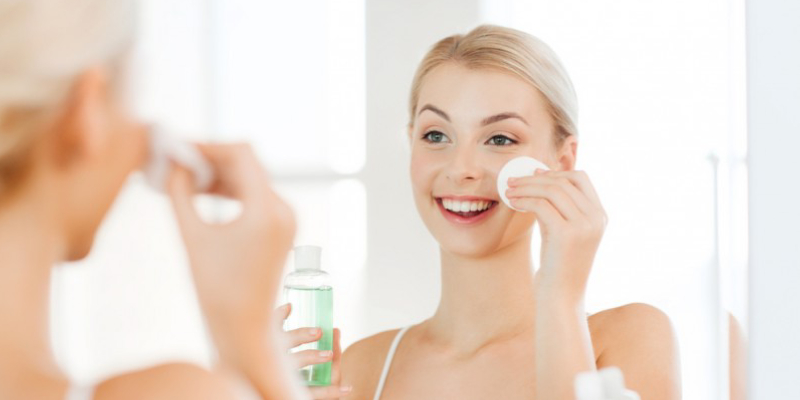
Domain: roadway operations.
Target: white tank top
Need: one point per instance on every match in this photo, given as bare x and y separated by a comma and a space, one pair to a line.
388, 362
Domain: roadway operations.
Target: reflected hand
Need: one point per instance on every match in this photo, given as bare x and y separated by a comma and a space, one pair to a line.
572, 222
305, 358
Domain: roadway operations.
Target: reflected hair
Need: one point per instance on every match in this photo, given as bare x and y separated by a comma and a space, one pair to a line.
510, 51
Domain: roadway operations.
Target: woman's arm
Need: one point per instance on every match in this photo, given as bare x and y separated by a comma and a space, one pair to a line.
563, 344
638, 339
572, 222
169, 381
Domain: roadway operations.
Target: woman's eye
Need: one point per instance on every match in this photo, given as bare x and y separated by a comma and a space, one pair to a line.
435, 137
500, 140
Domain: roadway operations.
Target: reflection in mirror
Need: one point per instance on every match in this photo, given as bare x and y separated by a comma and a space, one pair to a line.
660, 88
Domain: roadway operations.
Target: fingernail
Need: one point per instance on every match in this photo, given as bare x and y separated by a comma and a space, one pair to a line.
313, 332
325, 354
346, 389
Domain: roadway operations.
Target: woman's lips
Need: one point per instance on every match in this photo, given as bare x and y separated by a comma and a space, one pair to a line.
466, 217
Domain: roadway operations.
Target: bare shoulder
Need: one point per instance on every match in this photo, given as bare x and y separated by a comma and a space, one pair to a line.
630, 328
629, 321
639, 339
362, 364
167, 381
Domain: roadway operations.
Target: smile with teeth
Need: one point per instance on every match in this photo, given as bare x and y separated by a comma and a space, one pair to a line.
466, 208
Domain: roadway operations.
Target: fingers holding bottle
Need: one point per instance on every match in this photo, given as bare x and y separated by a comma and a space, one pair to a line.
309, 357
335, 390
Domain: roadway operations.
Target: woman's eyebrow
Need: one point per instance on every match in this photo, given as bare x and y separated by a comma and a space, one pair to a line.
486, 121
434, 109
502, 116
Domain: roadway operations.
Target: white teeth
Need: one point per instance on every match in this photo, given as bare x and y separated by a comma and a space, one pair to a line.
465, 206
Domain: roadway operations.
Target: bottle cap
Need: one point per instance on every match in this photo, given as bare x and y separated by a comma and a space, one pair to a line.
307, 257
517, 167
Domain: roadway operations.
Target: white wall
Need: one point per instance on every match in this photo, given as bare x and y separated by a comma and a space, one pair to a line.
773, 63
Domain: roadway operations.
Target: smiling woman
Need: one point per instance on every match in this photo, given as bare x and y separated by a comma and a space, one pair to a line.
484, 148
504, 329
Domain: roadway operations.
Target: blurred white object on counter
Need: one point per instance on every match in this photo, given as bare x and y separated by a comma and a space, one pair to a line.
605, 384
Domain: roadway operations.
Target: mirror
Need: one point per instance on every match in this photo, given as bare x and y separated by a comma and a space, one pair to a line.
661, 94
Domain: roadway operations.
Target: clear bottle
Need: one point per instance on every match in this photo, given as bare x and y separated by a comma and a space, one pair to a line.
308, 288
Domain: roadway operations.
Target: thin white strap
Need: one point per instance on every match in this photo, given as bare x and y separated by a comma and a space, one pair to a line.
80, 393
388, 362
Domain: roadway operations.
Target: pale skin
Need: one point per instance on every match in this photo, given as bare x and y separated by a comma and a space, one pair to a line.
79, 163
503, 329
737, 353
299, 336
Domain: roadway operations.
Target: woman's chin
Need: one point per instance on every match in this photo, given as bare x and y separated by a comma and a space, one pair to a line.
468, 248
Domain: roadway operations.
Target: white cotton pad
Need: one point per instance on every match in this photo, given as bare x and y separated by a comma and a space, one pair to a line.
166, 148
516, 168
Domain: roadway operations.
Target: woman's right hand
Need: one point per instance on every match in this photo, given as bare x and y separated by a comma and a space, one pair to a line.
303, 358
236, 265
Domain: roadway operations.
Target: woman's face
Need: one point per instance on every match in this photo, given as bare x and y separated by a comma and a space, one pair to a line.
467, 125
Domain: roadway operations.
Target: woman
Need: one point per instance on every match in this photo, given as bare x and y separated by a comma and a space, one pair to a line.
67, 145
502, 329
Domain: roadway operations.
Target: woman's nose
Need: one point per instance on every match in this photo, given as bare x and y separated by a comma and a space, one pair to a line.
465, 166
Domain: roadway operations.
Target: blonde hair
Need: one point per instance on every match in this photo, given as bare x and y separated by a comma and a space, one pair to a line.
44, 46
512, 51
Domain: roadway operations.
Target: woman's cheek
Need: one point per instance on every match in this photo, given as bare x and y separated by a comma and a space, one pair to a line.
423, 170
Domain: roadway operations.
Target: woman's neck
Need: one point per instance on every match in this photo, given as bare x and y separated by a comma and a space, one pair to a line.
485, 300
28, 250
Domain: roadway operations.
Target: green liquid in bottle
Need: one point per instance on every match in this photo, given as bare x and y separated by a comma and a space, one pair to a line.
312, 308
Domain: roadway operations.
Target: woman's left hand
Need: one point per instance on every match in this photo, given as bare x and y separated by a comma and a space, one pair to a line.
305, 358
572, 222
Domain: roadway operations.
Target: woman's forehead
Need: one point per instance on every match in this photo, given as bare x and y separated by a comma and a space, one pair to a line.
465, 93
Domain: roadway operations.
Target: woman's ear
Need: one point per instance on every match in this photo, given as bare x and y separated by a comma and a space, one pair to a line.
81, 131
567, 153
